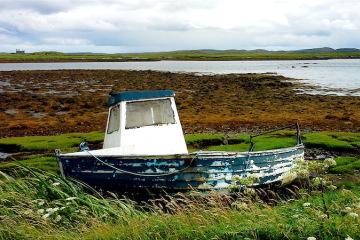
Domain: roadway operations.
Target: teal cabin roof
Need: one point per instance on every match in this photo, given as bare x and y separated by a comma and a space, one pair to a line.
138, 95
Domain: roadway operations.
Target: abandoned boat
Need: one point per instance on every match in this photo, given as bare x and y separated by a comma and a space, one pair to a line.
144, 147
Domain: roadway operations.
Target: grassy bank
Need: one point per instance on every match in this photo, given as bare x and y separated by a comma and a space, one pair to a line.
38, 151
346, 141
201, 55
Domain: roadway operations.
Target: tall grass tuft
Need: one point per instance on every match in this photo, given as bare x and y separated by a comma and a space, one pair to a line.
41, 200
40, 205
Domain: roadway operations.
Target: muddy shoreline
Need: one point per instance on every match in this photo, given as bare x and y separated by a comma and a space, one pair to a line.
61, 101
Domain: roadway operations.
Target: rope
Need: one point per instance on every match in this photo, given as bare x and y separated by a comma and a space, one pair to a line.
298, 135
248, 156
271, 131
252, 144
140, 174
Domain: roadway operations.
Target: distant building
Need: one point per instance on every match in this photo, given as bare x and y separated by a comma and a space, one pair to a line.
19, 51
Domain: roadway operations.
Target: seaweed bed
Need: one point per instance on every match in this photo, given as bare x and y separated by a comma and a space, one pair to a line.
62, 101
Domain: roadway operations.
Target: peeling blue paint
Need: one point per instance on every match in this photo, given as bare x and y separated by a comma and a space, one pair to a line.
210, 170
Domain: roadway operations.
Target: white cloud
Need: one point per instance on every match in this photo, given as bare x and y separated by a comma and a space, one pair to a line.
152, 25
8, 39
65, 41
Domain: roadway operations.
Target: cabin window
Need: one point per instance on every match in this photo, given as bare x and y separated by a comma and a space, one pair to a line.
114, 119
148, 113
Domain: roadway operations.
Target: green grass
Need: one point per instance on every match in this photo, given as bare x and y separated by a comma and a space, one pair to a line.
199, 141
28, 195
352, 138
40, 149
333, 140
179, 55
267, 142
337, 141
346, 165
327, 140
259, 222
43, 162
50, 143
37, 204
43, 146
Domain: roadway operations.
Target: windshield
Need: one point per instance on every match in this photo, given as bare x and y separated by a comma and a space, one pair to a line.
147, 113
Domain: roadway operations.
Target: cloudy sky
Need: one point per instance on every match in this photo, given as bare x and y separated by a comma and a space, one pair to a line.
156, 25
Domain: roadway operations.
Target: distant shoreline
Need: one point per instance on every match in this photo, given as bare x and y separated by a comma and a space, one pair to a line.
157, 60
186, 55
75, 60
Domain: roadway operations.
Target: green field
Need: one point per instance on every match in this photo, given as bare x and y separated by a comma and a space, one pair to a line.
225, 55
36, 203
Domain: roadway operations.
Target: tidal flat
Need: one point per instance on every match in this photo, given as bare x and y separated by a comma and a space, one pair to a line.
64, 101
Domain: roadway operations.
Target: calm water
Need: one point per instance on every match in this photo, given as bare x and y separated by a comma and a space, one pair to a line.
330, 76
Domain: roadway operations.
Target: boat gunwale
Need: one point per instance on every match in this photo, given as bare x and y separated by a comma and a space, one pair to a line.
198, 154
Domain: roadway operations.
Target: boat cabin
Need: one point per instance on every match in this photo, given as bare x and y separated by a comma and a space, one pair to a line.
144, 123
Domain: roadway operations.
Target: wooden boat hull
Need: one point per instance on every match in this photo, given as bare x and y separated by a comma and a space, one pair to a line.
201, 170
